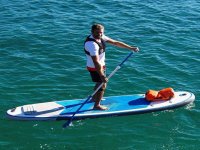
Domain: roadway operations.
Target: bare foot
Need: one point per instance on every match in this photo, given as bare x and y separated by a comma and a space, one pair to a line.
100, 107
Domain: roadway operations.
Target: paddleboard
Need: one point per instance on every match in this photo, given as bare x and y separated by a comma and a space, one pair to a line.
117, 106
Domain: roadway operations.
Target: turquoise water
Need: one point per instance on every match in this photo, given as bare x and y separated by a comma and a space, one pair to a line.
42, 59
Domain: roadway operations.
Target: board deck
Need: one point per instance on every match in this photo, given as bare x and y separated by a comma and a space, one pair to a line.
117, 106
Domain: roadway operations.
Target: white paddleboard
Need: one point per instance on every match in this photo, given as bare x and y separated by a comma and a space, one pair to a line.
117, 106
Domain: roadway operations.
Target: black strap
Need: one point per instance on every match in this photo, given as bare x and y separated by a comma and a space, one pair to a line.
101, 45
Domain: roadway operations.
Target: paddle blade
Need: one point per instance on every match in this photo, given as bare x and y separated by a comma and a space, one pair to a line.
67, 124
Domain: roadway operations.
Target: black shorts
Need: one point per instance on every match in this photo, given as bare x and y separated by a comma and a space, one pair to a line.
95, 76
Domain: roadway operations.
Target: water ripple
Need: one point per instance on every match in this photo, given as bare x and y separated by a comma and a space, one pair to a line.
42, 59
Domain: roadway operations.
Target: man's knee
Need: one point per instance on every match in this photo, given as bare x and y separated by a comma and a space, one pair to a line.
103, 87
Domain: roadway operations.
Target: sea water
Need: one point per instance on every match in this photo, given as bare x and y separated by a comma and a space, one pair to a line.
42, 59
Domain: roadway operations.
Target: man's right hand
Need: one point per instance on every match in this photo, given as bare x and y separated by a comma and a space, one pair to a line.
104, 79
135, 49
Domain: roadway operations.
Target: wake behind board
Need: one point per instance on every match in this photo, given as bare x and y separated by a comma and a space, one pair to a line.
118, 106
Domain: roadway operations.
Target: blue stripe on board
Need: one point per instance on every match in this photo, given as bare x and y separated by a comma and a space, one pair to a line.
115, 103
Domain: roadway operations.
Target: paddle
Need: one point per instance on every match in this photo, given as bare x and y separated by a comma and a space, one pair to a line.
69, 122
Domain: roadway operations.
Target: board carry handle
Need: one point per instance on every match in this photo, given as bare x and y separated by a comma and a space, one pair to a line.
69, 122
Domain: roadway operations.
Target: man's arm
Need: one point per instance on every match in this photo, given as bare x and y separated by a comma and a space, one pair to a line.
122, 45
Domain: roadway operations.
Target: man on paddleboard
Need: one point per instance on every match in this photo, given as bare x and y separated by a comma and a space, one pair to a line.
94, 47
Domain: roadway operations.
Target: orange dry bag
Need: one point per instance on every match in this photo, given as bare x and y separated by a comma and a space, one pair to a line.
151, 95
164, 94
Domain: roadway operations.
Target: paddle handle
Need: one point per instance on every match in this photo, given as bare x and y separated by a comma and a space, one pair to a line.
112, 73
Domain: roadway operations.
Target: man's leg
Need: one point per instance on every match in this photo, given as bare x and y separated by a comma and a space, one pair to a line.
98, 96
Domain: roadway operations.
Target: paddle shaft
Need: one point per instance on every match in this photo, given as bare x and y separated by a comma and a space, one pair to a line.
112, 73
